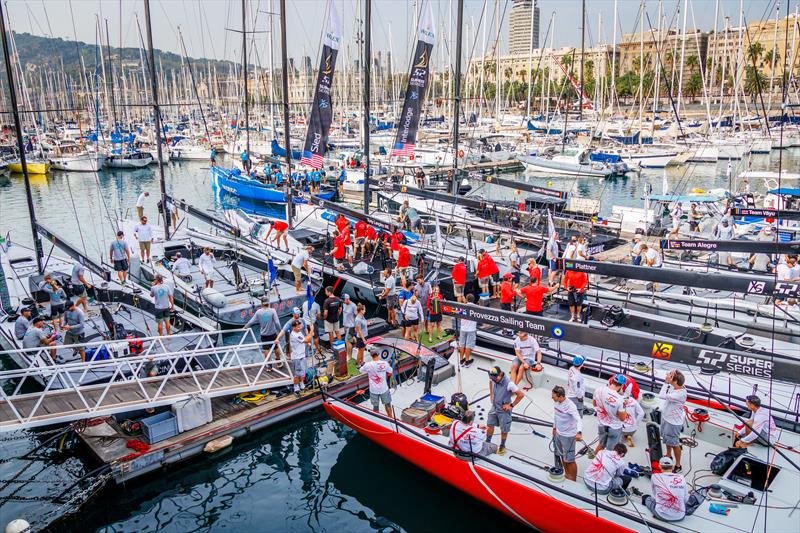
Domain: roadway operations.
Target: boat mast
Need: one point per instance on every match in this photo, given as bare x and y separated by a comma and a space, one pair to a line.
37, 243
530, 60
457, 101
367, 69
244, 73
286, 139
156, 117
583, 51
111, 72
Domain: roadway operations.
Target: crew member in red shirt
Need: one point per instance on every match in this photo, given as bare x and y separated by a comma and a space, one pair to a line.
339, 251
341, 222
372, 240
507, 292
348, 242
487, 269
361, 236
575, 282
534, 272
534, 294
396, 242
403, 261
459, 276
280, 228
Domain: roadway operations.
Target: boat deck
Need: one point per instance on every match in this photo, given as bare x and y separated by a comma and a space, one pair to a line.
529, 451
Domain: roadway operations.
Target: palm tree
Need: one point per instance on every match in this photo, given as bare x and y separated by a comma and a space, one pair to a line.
694, 85
692, 62
508, 72
566, 60
755, 50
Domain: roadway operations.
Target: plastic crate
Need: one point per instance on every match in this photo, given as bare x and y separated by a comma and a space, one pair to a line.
159, 427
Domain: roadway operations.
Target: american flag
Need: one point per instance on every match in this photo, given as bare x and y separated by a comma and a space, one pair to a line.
311, 159
401, 149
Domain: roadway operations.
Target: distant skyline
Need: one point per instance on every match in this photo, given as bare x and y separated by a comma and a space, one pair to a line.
203, 23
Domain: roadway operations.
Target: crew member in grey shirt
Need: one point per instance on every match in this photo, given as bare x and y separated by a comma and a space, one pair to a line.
22, 323
348, 322
80, 285
74, 321
268, 325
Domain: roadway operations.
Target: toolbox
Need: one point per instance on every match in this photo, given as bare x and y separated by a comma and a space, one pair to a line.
415, 417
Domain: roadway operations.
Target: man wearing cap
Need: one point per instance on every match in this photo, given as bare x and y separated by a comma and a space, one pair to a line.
469, 437
22, 323
287, 327
299, 339
349, 311
507, 292
504, 395
528, 356
35, 337
423, 289
673, 414
164, 303
576, 389
669, 495
459, 276
610, 412
725, 232
575, 283
57, 298
119, 253
761, 424
268, 325
74, 321
567, 428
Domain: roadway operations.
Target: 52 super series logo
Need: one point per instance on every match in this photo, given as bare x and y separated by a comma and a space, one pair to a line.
736, 363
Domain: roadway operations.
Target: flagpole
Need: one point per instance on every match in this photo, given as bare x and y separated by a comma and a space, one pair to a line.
286, 140
367, 71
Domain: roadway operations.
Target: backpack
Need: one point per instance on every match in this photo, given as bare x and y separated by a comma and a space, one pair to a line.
723, 460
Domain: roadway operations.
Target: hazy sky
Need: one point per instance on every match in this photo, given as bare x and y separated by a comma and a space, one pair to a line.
204, 22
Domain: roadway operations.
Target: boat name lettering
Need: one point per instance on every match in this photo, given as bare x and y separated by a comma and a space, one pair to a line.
748, 212
736, 364
407, 124
315, 142
512, 321
583, 267
693, 245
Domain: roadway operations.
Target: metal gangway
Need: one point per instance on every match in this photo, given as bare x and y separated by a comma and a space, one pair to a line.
159, 371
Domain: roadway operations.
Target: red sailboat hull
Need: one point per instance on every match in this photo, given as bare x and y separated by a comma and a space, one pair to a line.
519, 501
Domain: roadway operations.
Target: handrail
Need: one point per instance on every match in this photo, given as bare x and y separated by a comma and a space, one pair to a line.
120, 373
398, 424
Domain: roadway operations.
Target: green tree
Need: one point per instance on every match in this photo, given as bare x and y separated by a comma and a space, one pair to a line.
694, 85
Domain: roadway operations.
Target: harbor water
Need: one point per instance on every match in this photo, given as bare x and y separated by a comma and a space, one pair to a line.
310, 474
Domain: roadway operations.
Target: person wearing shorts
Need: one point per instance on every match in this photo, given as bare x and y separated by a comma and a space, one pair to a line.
74, 321
610, 412
459, 277
467, 334
504, 396
120, 255
163, 301
144, 234
434, 306
567, 428
298, 341
331, 312
377, 371
673, 414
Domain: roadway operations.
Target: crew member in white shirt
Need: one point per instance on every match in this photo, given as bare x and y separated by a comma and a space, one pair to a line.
670, 493
467, 336
571, 251
528, 356
206, 265
677, 214
299, 339
761, 424
673, 414
144, 234
576, 389
466, 436
634, 414
605, 472
140, 204
182, 267
567, 428
377, 370
610, 412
